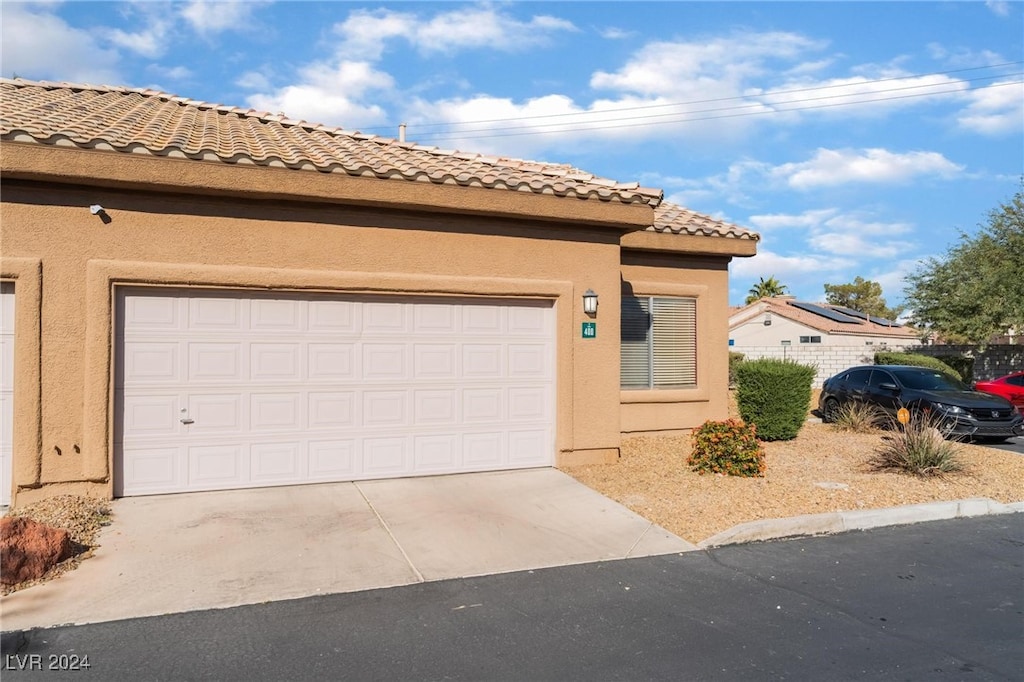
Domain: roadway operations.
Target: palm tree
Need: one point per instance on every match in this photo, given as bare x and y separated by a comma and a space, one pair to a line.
766, 288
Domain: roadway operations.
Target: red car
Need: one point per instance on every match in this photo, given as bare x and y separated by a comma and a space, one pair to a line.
1010, 387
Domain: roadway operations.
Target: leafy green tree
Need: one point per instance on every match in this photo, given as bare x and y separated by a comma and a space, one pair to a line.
765, 288
977, 290
862, 295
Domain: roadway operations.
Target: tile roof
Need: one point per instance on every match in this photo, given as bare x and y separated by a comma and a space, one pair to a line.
675, 219
147, 121
783, 308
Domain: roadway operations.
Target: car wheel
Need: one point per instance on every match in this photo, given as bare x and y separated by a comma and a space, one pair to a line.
831, 411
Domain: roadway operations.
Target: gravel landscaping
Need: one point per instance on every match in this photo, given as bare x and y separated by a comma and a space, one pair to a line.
822, 470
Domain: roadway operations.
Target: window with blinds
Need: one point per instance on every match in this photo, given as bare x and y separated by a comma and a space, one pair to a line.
659, 342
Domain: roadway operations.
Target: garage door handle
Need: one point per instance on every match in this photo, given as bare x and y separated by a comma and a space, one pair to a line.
186, 420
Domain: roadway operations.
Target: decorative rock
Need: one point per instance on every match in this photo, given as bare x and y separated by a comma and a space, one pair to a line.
29, 549
829, 485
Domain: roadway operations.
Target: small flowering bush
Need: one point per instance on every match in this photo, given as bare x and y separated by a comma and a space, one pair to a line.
727, 447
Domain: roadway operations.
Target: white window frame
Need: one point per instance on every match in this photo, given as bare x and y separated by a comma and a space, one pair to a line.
665, 358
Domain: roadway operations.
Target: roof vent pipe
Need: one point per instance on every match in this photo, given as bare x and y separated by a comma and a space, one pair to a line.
401, 132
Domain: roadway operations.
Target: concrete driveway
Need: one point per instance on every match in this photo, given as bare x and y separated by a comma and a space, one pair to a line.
173, 553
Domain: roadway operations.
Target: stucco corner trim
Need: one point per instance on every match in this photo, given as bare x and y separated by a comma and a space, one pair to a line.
27, 275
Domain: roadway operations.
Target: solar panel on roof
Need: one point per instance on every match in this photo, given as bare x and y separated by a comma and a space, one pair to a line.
865, 316
825, 312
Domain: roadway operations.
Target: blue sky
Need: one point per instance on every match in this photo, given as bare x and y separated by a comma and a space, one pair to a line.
857, 138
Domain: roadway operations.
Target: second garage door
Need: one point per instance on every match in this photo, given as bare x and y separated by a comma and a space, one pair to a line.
218, 389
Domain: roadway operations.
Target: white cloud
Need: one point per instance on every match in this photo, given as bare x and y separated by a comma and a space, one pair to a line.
806, 220
150, 42
253, 80
995, 110
177, 73
614, 33
206, 17
998, 7
330, 95
365, 33
769, 264
831, 167
39, 45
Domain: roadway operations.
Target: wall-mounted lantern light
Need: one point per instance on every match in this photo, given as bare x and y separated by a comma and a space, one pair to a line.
590, 302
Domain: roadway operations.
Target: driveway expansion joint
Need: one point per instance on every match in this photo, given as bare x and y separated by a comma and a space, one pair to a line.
387, 529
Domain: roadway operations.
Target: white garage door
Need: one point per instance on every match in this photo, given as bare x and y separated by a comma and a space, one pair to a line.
6, 389
220, 390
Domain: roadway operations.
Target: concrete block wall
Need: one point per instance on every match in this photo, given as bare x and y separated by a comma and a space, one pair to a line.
994, 361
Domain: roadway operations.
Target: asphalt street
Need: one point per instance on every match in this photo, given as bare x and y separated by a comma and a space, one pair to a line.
1012, 445
940, 600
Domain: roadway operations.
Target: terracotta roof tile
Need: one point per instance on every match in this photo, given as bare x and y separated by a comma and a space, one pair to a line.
675, 219
782, 307
141, 120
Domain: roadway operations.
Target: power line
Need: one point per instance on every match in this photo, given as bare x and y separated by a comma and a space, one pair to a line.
463, 131
440, 136
769, 93
856, 98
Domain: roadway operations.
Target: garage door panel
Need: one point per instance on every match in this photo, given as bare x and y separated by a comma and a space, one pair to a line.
482, 361
156, 469
481, 319
332, 460
275, 362
434, 361
216, 413
384, 408
527, 403
332, 410
482, 405
216, 465
435, 318
384, 361
379, 317
332, 362
385, 456
276, 412
213, 312
215, 362
221, 390
436, 407
276, 315
524, 447
333, 317
438, 453
151, 363
152, 415
483, 450
276, 462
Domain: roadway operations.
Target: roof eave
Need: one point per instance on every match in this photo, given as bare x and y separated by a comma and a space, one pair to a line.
73, 165
647, 240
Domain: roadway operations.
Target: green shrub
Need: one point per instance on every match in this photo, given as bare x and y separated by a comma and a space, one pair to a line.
734, 359
915, 360
859, 417
919, 448
961, 364
775, 395
727, 447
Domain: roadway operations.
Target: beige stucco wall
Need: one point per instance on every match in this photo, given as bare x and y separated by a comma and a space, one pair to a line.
706, 279
174, 222
53, 245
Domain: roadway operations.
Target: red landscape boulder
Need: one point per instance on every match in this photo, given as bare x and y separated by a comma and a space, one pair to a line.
28, 549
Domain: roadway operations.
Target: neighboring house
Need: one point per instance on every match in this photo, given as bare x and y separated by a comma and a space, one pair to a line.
784, 321
198, 297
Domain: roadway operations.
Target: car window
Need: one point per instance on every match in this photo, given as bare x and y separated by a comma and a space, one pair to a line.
928, 380
858, 378
1015, 381
879, 377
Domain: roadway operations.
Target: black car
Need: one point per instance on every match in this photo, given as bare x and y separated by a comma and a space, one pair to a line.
959, 410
